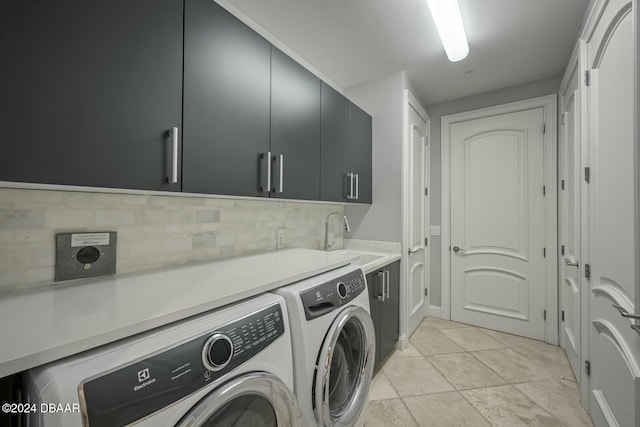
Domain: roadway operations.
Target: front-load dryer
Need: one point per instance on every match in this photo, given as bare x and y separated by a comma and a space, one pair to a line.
229, 367
333, 346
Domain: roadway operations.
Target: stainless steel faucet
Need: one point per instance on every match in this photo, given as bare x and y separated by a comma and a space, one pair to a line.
328, 246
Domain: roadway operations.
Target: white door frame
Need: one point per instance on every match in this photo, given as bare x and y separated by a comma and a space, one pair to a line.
410, 101
636, 90
578, 65
549, 105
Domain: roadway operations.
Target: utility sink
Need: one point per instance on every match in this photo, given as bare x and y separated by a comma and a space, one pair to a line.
367, 260
363, 257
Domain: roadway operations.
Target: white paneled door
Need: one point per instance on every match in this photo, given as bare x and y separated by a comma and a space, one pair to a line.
569, 230
614, 345
417, 259
498, 222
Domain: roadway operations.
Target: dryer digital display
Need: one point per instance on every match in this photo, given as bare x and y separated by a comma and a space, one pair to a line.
134, 391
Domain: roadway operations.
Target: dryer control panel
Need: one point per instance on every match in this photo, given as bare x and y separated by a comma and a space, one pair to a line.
331, 295
134, 391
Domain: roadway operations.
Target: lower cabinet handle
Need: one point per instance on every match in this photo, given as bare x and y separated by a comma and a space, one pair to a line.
172, 177
386, 281
266, 177
381, 275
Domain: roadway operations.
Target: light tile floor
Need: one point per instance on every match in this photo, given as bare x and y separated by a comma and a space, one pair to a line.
453, 374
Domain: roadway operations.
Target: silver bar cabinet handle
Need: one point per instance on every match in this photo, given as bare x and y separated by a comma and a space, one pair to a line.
350, 178
386, 280
280, 169
572, 264
383, 277
357, 187
266, 158
172, 178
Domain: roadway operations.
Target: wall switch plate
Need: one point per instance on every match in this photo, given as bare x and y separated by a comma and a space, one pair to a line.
434, 230
80, 255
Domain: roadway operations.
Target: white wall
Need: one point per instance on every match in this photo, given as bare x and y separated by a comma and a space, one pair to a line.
382, 98
436, 111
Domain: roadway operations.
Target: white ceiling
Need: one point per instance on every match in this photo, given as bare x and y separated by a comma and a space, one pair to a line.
353, 41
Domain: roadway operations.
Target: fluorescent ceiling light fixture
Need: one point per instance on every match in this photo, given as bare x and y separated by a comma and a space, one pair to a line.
448, 20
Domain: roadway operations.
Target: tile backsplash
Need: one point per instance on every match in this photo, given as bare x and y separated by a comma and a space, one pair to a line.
154, 231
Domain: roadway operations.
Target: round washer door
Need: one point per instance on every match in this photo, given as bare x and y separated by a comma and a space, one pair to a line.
258, 399
345, 369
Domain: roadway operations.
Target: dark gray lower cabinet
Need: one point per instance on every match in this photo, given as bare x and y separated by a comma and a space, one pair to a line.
295, 129
89, 91
227, 84
384, 301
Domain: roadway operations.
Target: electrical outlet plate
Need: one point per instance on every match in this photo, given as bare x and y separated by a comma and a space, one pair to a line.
280, 238
81, 255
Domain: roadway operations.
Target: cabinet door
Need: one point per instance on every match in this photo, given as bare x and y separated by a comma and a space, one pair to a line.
295, 129
390, 312
374, 306
360, 153
334, 161
227, 81
90, 90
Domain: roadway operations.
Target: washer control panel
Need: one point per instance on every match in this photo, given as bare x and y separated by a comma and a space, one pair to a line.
131, 392
333, 294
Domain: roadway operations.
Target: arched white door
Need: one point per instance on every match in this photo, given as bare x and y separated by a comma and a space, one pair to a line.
614, 345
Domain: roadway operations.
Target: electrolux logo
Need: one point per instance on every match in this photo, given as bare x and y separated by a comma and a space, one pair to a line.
143, 375
144, 378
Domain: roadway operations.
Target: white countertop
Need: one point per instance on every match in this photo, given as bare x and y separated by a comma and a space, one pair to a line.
40, 327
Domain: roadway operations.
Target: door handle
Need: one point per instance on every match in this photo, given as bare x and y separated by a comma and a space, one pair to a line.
625, 313
279, 161
381, 275
172, 177
266, 178
411, 251
572, 264
457, 249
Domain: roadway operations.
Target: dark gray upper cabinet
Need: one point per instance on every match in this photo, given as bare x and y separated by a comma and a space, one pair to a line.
346, 150
89, 91
227, 82
295, 129
360, 153
334, 161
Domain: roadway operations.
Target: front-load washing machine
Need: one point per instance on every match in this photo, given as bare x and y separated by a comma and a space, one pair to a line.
229, 367
333, 346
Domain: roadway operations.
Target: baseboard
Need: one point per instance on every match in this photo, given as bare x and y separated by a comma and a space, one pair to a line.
434, 311
403, 342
